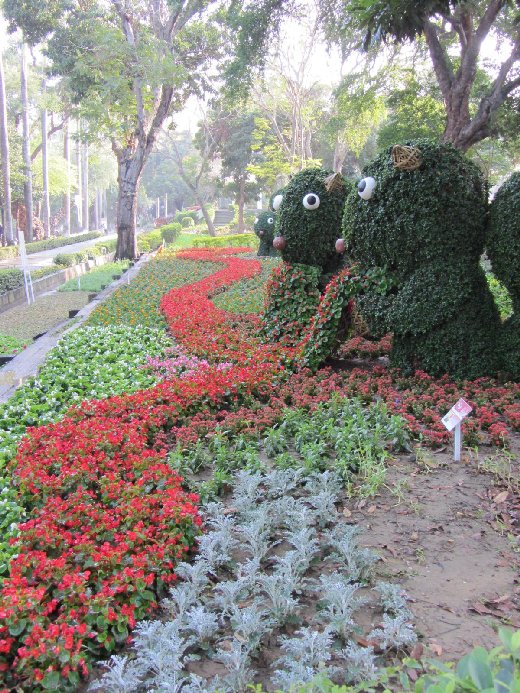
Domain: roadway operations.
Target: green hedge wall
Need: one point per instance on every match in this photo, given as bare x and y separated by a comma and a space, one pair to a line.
234, 240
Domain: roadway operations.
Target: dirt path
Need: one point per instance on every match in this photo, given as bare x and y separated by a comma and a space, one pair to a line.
435, 526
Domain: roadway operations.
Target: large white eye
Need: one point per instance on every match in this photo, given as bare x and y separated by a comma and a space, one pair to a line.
256, 220
311, 201
366, 187
270, 220
277, 201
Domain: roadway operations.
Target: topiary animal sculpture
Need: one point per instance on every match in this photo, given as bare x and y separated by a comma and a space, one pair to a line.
264, 229
419, 217
308, 223
309, 220
503, 247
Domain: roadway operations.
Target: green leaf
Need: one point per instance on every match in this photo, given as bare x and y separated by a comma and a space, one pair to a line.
18, 627
51, 681
479, 669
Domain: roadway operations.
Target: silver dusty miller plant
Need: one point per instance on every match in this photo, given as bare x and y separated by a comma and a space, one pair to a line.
250, 578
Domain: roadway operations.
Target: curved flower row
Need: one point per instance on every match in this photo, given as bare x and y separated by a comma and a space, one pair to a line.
109, 518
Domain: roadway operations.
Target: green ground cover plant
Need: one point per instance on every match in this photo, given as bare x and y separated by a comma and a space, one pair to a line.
247, 296
11, 345
138, 302
94, 280
501, 295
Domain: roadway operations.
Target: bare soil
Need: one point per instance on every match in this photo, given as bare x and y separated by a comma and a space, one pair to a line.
450, 535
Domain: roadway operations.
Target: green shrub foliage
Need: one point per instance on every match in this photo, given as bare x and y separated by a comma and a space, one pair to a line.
309, 220
425, 229
293, 297
503, 246
264, 229
170, 232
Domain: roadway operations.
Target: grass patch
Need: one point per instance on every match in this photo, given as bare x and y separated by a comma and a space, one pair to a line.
96, 278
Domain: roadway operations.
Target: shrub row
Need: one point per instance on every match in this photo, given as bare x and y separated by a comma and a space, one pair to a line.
11, 279
48, 244
234, 240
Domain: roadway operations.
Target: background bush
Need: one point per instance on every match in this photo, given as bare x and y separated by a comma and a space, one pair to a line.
170, 232
234, 240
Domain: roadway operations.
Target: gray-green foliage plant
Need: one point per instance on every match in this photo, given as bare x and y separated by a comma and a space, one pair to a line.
425, 229
227, 611
503, 247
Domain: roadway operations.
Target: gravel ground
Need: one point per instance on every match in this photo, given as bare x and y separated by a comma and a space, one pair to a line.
25, 322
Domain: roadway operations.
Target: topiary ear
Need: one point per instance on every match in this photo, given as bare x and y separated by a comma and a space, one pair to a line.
334, 182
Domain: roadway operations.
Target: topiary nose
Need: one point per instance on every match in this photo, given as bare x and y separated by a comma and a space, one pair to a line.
279, 243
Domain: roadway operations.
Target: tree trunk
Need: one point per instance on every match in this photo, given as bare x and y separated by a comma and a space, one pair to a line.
84, 195
66, 156
209, 221
241, 200
4, 151
129, 166
45, 174
27, 185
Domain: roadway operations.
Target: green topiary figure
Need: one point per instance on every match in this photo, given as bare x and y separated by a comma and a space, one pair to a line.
503, 247
308, 224
419, 216
309, 220
264, 229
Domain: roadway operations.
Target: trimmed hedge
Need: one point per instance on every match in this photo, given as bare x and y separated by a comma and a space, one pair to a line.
48, 244
425, 230
170, 232
186, 222
235, 240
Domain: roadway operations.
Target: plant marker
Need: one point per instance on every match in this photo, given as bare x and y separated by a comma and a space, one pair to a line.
453, 420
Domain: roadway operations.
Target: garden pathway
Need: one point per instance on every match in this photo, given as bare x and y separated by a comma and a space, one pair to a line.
45, 257
27, 362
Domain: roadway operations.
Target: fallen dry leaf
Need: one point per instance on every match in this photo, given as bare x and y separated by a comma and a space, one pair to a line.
414, 536
346, 512
501, 497
371, 509
435, 648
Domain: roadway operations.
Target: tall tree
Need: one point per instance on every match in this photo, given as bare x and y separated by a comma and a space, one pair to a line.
4, 152
130, 64
236, 153
454, 31
27, 185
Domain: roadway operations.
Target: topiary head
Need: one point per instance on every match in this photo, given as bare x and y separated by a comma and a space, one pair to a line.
414, 204
309, 220
264, 226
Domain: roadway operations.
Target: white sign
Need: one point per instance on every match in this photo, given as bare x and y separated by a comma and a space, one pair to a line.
456, 414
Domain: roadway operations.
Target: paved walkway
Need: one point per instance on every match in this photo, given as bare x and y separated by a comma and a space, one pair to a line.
27, 362
45, 257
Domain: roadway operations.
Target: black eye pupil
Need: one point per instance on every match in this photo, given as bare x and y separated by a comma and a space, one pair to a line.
362, 185
311, 199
